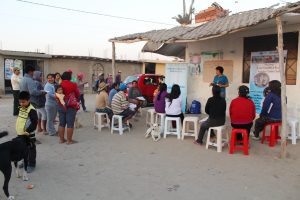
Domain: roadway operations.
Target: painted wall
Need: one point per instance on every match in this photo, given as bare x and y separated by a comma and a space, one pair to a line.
160, 68
2, 74
232, 48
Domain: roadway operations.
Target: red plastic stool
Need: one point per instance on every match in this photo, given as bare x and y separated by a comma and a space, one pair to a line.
274, 136
234, 141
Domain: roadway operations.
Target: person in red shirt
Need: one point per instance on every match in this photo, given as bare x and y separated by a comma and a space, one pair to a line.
242, 111
67, 116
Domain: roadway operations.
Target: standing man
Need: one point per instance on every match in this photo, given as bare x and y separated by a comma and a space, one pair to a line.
80, 85
118, 77
220, 80
15, 83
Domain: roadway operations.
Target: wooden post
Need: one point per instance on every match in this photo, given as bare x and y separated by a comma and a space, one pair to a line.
113, 60
283, 151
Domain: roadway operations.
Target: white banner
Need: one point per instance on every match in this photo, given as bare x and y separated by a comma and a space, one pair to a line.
177, 74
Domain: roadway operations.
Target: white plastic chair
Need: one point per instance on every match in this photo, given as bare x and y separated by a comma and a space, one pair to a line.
160, 119
150, 117
295, 133
119, 127
186, 128
220, 141
168, 127
99, 121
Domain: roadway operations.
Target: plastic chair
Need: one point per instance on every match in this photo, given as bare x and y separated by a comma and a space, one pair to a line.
220, 141
234, 141
168, 130
294, 134
186, 128
160, 119
274, 133
119, 127
99, 121
150, 117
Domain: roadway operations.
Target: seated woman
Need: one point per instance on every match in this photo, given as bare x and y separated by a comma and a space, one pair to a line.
174, 103
271, 109
242, 111
159, 99
215, 108
102, 101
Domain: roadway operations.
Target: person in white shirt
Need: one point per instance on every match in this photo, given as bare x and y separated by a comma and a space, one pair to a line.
174, 103
15, 83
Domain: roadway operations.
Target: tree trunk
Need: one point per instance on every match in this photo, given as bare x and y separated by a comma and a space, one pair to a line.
283, 151
113, 60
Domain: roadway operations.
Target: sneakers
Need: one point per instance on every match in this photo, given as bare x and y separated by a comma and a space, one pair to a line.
30, 169
253, 136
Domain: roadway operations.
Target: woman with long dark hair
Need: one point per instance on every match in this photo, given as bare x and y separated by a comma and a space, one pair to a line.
174, 103
242, 111
271, 109
159, 99
67, 115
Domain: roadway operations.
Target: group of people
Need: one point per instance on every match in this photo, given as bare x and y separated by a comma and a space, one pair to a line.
242, 109
37, 104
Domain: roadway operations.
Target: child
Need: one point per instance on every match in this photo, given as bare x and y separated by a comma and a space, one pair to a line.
59, 93
25, 126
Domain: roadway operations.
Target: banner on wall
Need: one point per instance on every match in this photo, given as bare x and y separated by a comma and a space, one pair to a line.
177, 74
264, 68
9, 64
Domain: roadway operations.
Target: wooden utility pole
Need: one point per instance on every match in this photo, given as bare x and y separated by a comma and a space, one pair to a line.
283, 151
113, 61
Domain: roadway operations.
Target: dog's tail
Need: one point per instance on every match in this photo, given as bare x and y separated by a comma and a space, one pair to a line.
3, 134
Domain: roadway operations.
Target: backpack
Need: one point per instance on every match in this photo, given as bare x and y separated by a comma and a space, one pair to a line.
195, 107
72, 102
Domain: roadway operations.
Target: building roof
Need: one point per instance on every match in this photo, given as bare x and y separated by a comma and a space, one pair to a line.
24, 54
214, 28
95, 58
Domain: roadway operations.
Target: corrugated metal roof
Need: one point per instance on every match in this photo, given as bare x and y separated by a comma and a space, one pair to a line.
213, 28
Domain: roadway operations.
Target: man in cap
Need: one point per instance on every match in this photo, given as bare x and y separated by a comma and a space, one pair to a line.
120, 105
15, 83
80, 85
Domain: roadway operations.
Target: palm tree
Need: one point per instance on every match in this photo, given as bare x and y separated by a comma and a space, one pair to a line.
185, 18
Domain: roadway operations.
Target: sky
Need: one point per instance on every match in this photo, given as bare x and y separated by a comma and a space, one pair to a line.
27, 27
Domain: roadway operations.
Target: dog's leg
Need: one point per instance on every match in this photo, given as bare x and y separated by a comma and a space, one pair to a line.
18, 174
25, 177
7, 175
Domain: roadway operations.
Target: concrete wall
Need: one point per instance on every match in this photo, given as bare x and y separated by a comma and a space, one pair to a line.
232, 48
2, 86
160, 68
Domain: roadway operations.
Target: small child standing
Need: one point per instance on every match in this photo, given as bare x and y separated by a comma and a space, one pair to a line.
25, 126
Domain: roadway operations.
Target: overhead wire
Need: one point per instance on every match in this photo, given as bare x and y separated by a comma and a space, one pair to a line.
93, 13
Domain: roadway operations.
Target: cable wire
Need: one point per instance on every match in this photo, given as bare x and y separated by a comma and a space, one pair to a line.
93, 13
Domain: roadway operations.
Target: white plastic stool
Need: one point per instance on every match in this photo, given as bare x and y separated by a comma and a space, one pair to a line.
150, 117
186, 128
168, 127
119, 127
294, 134
160, 122
99, 121
220, 141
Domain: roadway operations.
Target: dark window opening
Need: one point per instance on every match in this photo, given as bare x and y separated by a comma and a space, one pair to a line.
150, 68
269, 43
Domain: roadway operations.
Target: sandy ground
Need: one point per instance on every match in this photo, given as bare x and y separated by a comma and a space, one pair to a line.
105, 166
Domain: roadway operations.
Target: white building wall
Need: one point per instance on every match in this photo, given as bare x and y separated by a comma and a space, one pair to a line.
232, 48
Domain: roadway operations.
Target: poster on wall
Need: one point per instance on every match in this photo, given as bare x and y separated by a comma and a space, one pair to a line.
9, 64
264, 68
177, 74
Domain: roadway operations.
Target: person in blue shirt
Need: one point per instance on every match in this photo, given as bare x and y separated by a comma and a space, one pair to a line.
113, 91
271, 109
220, 80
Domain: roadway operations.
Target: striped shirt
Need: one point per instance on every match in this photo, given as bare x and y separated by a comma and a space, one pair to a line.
119, 103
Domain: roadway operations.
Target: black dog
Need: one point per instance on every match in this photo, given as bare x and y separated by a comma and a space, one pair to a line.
13, 151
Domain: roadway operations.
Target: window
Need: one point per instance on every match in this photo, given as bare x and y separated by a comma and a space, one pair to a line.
150, 81
150, 68
269, 43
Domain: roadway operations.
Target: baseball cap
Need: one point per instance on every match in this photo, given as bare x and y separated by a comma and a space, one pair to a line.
243, 89
122, 86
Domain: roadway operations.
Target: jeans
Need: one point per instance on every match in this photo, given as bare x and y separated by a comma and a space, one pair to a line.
82, 102
51, 114
16, 101
66, 117
261, 122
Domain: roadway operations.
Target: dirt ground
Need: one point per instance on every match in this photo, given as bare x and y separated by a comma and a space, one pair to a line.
104, 166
